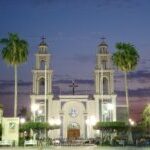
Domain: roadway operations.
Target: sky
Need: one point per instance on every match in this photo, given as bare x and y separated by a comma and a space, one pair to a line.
73, 30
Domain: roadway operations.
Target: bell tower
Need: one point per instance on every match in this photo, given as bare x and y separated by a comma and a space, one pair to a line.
42, 83
104, 84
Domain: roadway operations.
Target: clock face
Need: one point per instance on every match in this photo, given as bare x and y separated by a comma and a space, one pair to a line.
73, 112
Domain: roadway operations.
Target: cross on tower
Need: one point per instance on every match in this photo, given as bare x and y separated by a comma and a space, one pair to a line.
103, 38
43, 38
73, 85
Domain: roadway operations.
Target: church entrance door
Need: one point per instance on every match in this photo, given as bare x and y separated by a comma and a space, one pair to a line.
73, 134
73, 131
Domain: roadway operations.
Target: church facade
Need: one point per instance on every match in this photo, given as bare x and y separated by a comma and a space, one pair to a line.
76, 114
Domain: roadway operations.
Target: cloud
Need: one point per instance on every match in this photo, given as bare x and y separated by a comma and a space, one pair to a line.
5, 83
78, 81
139, 74
12, 93
140, 92
61, 77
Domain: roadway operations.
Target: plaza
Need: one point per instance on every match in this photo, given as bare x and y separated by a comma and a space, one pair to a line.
75, 148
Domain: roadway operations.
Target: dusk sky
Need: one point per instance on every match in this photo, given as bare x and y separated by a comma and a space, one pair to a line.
73, 29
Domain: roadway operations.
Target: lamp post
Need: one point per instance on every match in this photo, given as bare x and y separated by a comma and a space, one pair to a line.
34, 108
102, 92
45, 92
131, 124
22, 121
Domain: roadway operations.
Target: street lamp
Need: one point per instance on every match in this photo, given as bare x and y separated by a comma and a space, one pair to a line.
34, 108
131, 122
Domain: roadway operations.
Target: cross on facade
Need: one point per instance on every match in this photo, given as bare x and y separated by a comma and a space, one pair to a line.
73, 85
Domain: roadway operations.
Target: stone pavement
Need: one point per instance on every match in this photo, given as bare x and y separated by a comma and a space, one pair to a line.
76, 148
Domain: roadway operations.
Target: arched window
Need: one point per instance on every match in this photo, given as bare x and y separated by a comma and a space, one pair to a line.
105, 86
42, 65
73, 125
41, 86
104, 64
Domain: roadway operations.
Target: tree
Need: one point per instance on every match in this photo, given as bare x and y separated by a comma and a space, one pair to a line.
109, 129
126, 59
146, 118
36, 126
24, 113
0, 131
115, 125
14, 52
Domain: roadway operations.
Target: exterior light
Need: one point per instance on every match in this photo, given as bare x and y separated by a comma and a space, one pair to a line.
91, 121
51, 122
22, 120
57, 121
34, 107
39, 112
87, 121
130, 119
132, 123
110, 106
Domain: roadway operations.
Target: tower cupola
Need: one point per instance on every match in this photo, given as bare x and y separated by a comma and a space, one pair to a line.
103, 47
43, 48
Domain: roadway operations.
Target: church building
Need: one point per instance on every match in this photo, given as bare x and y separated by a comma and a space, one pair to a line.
76, 114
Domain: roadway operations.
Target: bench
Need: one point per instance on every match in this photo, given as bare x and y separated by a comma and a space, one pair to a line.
6, 143
121, 142
30, 142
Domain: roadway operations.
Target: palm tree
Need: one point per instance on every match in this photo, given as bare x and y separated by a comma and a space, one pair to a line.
14, 52
24, 113
126, 59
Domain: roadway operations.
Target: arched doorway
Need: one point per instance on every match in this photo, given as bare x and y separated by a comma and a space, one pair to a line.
73, 131
105, 86
41, 89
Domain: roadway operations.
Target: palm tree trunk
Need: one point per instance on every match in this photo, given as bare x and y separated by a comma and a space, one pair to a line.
126, 92
15, 91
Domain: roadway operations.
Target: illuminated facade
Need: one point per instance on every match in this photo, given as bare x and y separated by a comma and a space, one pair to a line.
76, 114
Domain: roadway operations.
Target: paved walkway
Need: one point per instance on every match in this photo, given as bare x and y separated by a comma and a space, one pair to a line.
76, 148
